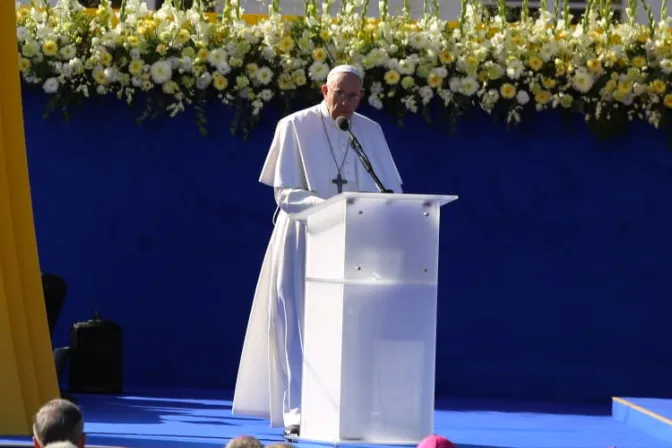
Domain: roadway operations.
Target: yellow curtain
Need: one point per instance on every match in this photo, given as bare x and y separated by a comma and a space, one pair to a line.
27, 371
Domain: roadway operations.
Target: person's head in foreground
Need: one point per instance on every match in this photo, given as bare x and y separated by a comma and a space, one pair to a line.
343, 91
436, 442
245, 442
58, 421
280, 445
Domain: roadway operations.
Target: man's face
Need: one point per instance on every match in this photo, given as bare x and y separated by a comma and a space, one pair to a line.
342, 94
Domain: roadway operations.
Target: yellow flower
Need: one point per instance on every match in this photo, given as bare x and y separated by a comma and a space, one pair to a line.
299, 77
658, 86
392, 77
319, 54
624, 87
286, 44
560, 68
136, 67
325, 35
252, 69
594, 66
49, 48
507, 91
535, 63
615, 39
566, 101
132, 41
667, 101
170, 87
542, 96
187, 81
446, 57
105, 58
161, 49
219, 81
434, 80
182, 37
99, 77
24, 65
285, 82
548, 83
189, 52
203, 54
407, 82
639, 61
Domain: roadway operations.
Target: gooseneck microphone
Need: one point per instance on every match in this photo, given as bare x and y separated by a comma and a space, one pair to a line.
344, 125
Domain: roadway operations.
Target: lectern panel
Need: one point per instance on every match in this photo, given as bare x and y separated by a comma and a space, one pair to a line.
392, 241
325, 244
389, 345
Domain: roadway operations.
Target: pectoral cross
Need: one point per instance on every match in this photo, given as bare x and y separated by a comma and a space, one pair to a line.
339, 181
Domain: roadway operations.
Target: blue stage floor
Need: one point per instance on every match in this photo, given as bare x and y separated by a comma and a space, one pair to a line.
651, 416
192, 419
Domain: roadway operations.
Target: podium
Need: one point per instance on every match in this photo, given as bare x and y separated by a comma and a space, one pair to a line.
369, 335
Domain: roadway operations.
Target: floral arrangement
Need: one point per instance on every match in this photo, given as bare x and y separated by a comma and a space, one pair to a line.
174, 58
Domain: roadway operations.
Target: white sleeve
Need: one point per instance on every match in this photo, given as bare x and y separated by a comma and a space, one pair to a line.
294, 200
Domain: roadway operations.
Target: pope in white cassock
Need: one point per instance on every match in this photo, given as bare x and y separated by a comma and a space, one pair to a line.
309, 161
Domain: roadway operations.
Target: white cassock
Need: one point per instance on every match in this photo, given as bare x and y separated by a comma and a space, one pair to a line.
300, 167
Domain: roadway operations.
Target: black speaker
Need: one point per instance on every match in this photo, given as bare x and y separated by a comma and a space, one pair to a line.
55, 290
96, 357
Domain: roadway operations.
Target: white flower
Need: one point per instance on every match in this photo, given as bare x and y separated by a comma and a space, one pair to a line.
68, 52
217, 57
454, 84
266, 95
203, 81
666, 66
426, 93
264, 75
468, 86
224, 68
522, 97
318, 71
51, 86
22, 33
582, 80
161, 71
515, 69
375, 102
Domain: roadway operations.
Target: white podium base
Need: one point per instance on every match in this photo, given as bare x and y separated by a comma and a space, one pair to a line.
368, 371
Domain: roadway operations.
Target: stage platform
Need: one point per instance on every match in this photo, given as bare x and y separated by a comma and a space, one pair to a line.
652, 416
193, 419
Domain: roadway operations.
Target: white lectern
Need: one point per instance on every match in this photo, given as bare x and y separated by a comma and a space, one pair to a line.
370, 318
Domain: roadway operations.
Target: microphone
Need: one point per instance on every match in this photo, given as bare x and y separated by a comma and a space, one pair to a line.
344, 125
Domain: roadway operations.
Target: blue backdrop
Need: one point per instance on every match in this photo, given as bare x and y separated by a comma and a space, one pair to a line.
555, 262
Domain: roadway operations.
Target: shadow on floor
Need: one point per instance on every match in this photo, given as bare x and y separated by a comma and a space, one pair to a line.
510, 406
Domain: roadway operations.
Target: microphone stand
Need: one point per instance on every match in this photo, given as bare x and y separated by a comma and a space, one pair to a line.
367, 164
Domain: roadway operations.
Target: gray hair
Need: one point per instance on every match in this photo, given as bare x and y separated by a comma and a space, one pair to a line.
58, 421
61, 445
245, 442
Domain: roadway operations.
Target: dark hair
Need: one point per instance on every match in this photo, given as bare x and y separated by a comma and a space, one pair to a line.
58, 421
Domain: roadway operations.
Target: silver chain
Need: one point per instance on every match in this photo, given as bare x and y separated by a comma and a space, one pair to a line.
331, 148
